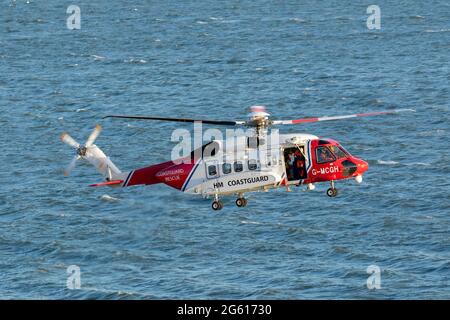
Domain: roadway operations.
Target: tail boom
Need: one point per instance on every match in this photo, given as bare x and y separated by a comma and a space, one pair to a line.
146, 175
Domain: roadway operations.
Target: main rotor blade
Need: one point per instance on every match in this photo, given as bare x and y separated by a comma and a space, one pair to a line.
69, 140
93, 135
71, 165
305, 120
217, 122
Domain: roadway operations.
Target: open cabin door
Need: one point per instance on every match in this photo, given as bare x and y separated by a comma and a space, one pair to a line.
296, 162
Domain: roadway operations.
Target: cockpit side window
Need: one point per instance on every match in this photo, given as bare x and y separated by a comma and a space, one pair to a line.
337, 152
324, 155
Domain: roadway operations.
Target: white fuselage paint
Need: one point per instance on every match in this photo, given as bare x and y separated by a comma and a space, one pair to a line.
263, 177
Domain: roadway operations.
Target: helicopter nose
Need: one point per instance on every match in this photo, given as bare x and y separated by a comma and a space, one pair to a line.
363, 166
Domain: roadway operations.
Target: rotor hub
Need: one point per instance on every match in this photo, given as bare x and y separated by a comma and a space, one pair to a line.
81, 151
258, 117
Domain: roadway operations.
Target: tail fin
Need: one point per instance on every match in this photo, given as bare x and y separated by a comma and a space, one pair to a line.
103, 164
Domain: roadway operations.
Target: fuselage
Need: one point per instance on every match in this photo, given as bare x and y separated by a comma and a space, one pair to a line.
296, 159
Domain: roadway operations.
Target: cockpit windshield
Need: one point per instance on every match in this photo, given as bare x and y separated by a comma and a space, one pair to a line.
338, 152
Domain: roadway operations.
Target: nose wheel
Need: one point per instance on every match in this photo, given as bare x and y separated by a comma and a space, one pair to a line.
332, 192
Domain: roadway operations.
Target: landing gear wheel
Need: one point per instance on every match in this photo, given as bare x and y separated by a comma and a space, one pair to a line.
217, 205
241, 202
332, 192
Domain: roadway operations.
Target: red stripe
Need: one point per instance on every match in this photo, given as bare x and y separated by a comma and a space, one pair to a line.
107, 183
305, 120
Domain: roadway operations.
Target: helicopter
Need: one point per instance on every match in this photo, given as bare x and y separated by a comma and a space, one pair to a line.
258, 161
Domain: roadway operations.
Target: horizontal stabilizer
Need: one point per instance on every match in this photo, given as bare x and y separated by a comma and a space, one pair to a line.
107, 183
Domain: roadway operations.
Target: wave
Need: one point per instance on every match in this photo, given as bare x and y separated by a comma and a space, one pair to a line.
418, 164
100, 293
296, 20
134, 60
98, 58
230, 21
431, 133
106, 197
435, 31
387, 162
391, 162
250, 222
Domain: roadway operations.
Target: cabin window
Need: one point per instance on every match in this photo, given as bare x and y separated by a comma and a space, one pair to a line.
324, 155
212, 170
238, 167
338, 152
226, 168
252, 165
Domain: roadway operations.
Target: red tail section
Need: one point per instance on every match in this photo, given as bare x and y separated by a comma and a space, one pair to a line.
146, 175
174, 175
177, 175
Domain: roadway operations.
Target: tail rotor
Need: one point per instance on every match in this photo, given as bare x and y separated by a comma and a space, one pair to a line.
93, 136
81, 151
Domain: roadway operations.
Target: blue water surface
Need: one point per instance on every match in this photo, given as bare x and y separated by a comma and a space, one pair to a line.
214, 59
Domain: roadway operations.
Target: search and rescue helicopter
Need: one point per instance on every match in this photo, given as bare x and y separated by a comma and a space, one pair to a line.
295, 159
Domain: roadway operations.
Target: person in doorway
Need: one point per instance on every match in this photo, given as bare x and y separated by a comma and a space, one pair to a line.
290, 165
299, 164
